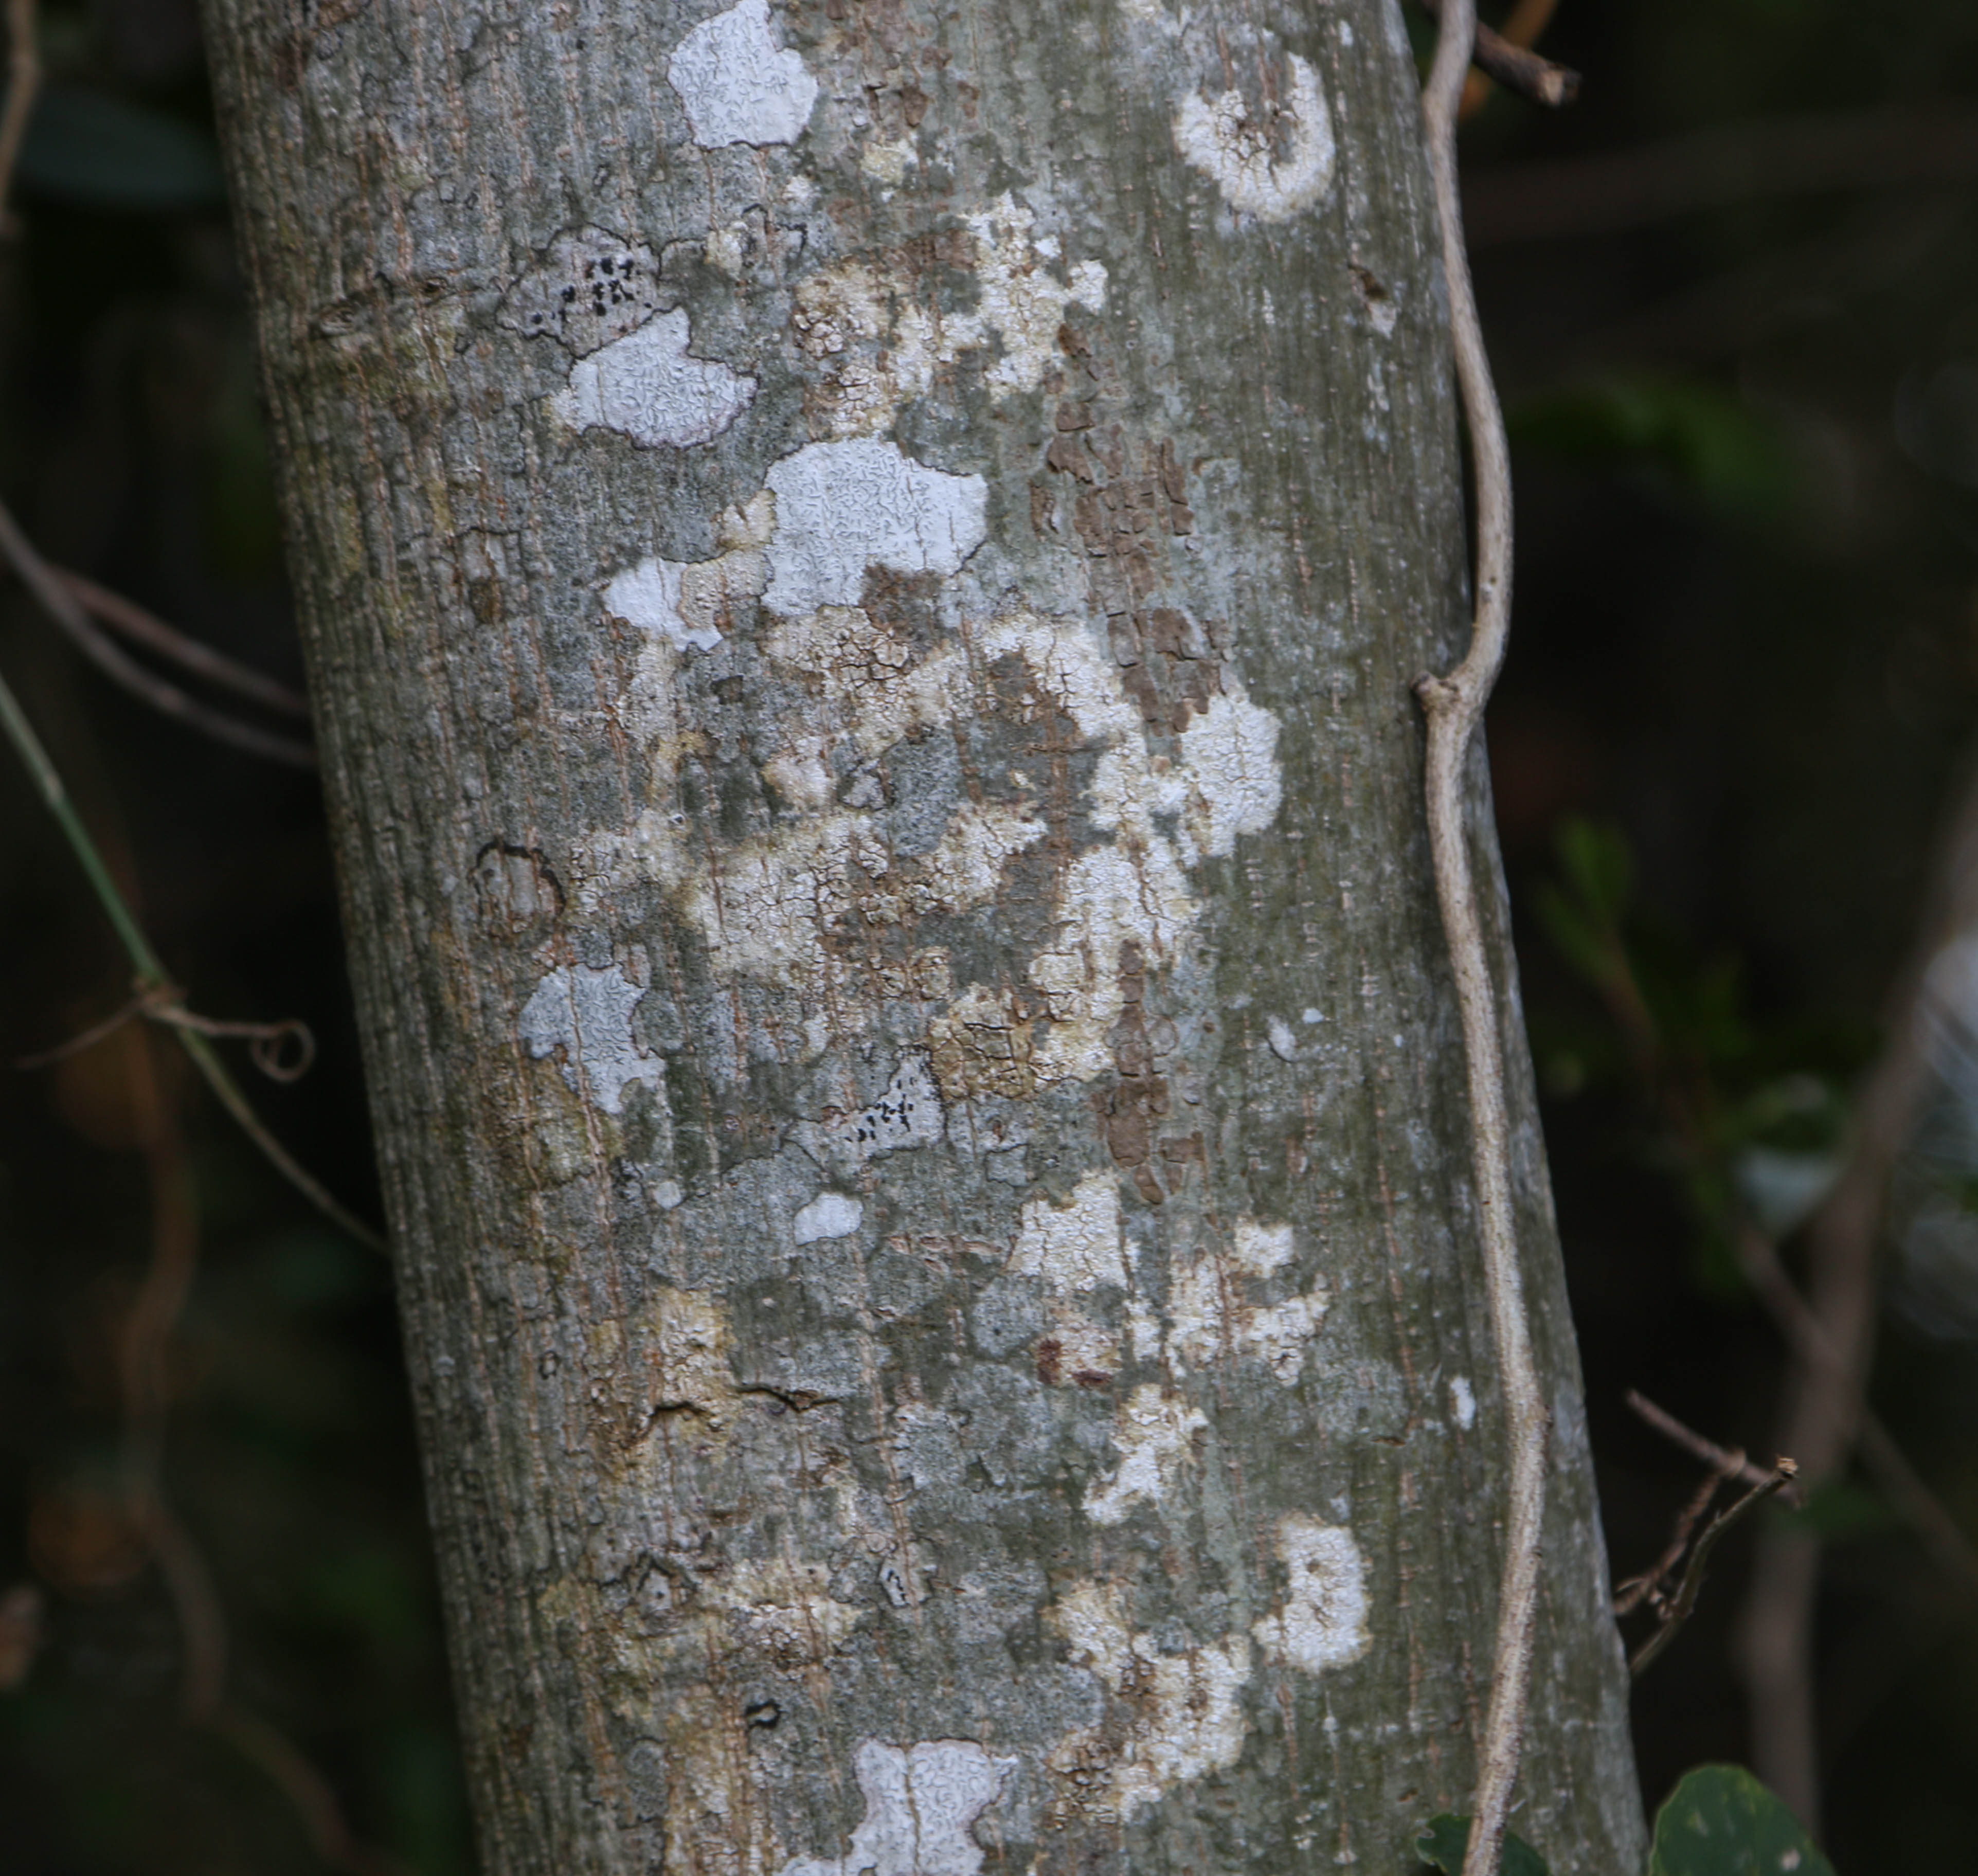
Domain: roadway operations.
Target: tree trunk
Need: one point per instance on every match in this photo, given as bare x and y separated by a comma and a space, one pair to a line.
862, 565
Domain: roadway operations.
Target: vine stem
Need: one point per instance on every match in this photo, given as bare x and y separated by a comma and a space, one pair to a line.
1455, 706
152, 979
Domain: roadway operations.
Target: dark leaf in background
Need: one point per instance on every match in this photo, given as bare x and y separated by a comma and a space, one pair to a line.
97, 151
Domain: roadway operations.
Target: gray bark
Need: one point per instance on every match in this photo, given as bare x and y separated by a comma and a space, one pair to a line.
861, 566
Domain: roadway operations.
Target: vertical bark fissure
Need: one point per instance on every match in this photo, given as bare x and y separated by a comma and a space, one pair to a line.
863, 565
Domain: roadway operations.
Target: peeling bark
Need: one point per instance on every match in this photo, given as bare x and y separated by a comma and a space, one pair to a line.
862, 566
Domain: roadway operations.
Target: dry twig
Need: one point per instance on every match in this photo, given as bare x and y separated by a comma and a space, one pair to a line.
1454, 706
1631, 1594
60, 603
1513, 64
1782, 1474
1726, 1460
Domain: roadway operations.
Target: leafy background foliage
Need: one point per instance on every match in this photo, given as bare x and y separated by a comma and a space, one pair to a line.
1741, 694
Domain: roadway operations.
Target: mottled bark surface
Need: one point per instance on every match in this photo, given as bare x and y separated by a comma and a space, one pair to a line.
862, 565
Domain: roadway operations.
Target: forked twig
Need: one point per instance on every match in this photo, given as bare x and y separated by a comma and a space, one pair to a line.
60, 603
1782, 1474
150, 969
1629, 1596
1454, 705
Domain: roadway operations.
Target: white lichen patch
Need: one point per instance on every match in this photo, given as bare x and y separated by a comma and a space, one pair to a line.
1211, 1315
1155, 1433
1462, 1402
1022, 304
1113, 895
584, 1018
829, 1215
922, 1803
1323, 1624
737, 83
1262, 1248
648, 386
1074, 1248
841, 507
591, 288
1228, 756
880, 348
1269, 161
782, 906
692, 603
1188, 1715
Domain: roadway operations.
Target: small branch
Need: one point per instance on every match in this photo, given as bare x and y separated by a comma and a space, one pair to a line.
24, 86
128, 617
1729, 1464
61, 604
1514, 67
1782, 1475
1647, 1588
1454, 705
149, 969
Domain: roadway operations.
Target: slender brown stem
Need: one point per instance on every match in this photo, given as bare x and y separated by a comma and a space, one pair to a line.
1629, 1596
61, 604
1731, 1464
1514, 67
147, 629
1782, 1475
1454, 706
24, 85
306, 1789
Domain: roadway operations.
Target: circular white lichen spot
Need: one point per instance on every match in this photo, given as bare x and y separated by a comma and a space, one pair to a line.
1269, 161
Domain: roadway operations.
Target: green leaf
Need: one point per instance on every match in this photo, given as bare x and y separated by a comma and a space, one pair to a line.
1721, 1822
1596, 858
88, 147
1688, 432
1447, 1838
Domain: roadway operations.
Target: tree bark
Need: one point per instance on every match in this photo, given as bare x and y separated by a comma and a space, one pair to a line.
861, 566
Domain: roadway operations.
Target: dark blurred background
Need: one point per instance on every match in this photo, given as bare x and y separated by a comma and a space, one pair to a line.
1732, 296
